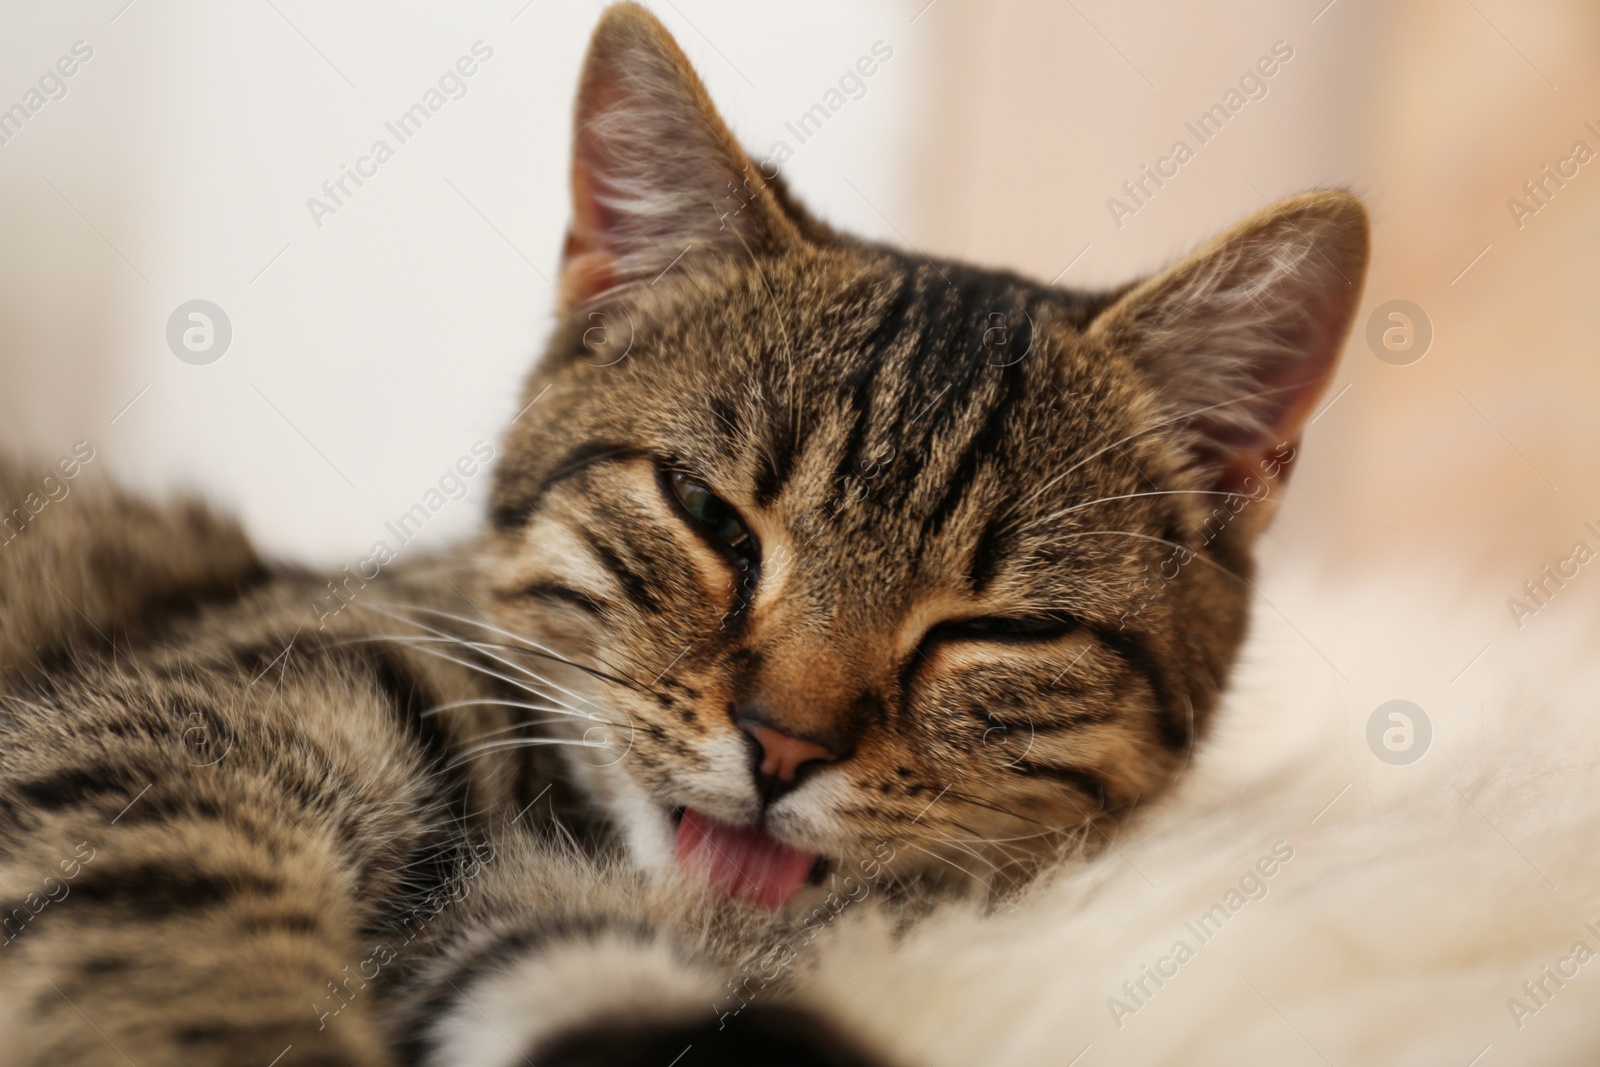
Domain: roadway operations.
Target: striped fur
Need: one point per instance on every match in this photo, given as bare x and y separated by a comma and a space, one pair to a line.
912, 442
219, 822
439, 828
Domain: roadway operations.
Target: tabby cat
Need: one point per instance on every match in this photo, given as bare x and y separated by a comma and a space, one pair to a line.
817, 572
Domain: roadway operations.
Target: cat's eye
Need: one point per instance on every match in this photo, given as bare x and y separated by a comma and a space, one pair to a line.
715, 517
1041, 627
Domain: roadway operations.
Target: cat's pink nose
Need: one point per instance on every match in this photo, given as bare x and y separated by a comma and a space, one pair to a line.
782, 756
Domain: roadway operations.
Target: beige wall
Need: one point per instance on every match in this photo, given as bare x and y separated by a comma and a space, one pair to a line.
369, 352
179, 162
1436, 112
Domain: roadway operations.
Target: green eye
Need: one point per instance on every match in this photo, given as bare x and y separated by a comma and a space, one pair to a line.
714, 516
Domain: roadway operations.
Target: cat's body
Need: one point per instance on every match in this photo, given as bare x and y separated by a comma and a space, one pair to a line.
818, 572
230, 830
252, 794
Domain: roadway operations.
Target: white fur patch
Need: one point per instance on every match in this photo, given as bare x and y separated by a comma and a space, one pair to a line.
501, 1021
720, 782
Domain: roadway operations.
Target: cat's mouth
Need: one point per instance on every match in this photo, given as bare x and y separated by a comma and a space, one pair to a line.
745, 862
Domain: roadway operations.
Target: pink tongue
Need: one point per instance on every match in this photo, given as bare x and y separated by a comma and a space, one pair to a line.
745, 862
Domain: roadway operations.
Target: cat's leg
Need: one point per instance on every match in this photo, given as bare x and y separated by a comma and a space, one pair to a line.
82, 561
200, 873
621, 999
174, 935
560, 962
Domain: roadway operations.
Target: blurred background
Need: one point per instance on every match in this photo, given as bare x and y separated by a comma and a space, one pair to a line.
376, 338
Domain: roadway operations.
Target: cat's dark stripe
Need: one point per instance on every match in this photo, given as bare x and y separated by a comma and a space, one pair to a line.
514, 515
988, 553
724, 417
164, 803
150, 891
1080, 777
555, 592
931, 393
408, 697
156, 614
1172, 724
635, 585
245, 1037
984, 377
775, 463
101, 966
980, 447
188, 603
432, 860
78, 786
1173, 532
533, 785
876, 349
1055, 723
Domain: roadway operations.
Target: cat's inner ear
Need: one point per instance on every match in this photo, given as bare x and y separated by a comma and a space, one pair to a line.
1242, 338
658, 180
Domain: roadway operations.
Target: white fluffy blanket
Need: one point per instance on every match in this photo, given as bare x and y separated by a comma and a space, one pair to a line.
1300, 900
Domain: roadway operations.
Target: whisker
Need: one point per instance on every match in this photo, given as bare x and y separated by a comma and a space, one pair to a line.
968, 849
519, 742
1037, 835
1160, 541
1149, 429
478, 646
481, 669
948, 860
561, 710
967, 798
524, 724
1125, 496
526, 645
483, 647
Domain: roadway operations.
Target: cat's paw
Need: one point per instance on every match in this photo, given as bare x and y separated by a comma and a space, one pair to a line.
768, 1036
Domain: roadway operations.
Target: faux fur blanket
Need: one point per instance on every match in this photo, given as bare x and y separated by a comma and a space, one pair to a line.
1312, 893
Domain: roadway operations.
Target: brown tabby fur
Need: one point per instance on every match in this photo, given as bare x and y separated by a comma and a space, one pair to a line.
912, 442
253, 794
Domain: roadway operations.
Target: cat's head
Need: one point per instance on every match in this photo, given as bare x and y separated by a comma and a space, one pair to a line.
877, 563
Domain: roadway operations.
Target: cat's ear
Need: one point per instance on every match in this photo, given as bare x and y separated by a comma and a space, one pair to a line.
1243, 336
658, 180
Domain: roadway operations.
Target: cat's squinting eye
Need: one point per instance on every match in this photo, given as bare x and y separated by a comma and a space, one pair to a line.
715, 517
1005, 628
